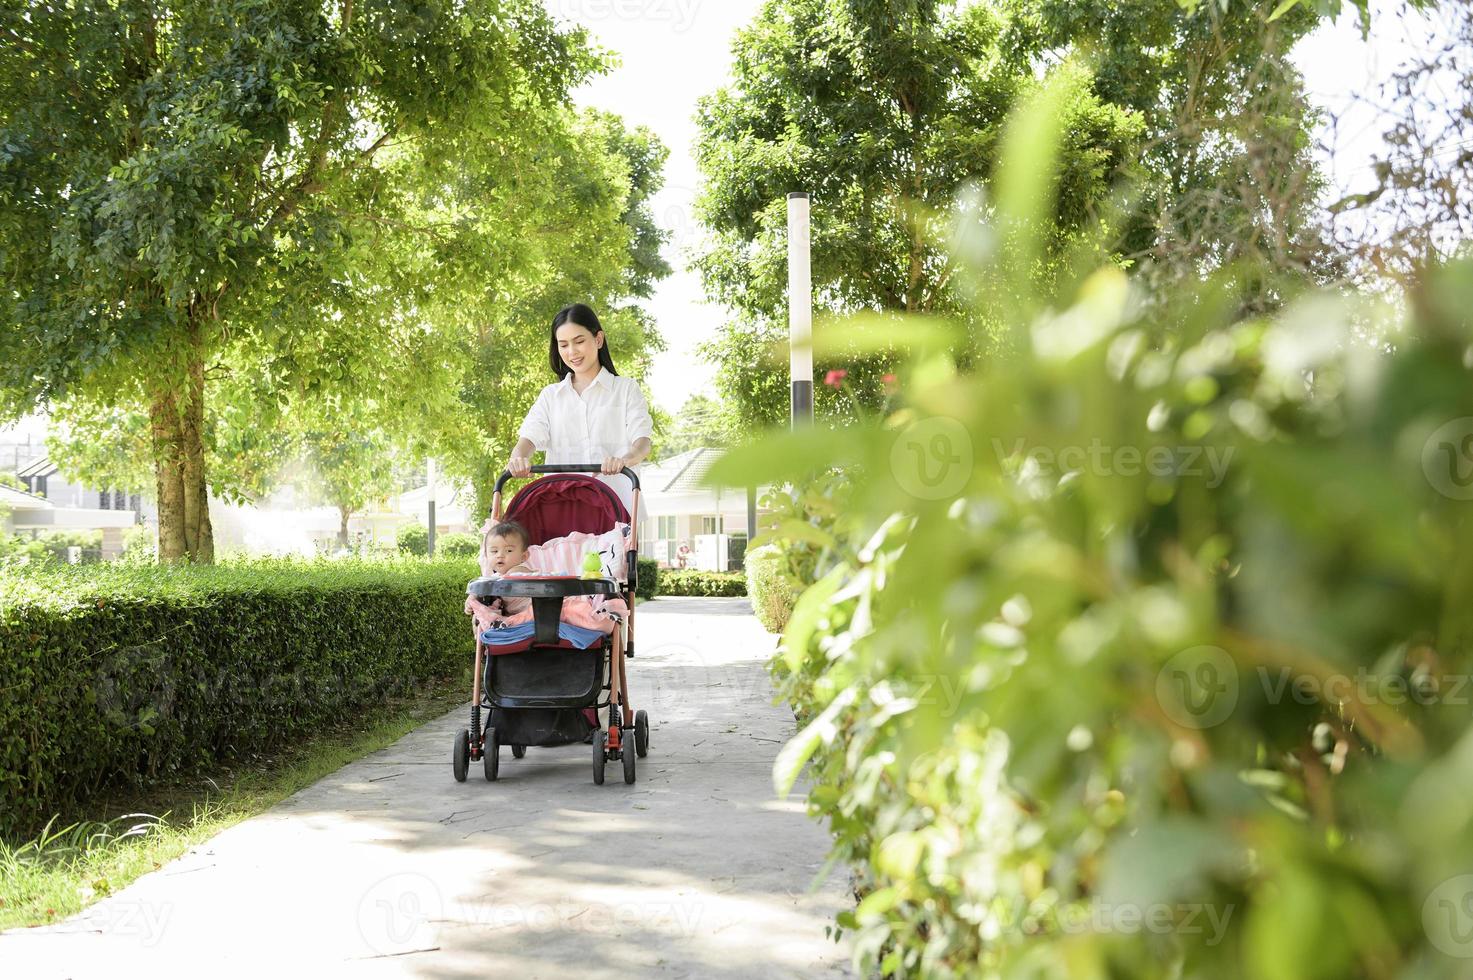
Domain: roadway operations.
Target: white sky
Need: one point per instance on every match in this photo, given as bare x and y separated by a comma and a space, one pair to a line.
675, 51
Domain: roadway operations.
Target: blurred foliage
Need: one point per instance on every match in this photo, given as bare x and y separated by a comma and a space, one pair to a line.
414, 539
1141, 649
771, 588
693, 581
459, 544
647, 578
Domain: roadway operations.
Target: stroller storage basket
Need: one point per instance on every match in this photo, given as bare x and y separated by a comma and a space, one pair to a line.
546, 677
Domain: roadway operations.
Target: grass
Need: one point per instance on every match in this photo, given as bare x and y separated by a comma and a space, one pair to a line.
66, 868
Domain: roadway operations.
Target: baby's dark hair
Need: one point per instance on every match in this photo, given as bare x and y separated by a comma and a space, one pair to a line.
511, 529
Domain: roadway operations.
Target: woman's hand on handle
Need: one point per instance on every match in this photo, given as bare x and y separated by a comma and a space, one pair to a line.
613, 464
519, 465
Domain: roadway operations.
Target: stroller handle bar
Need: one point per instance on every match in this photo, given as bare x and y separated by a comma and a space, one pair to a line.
566, 468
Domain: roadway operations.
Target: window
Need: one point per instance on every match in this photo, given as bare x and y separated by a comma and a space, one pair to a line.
666, 528
40, 487
105, 500
708, 525
135, 502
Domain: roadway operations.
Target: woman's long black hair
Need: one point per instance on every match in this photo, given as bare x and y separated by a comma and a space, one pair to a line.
582, 316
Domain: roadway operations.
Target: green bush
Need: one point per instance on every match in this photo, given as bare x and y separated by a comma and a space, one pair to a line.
458, 545
771, 587
121, 673
699, 583
648, 578
1140, 650
414, 539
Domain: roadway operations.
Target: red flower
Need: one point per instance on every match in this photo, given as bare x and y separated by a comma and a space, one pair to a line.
833, 378
889, 379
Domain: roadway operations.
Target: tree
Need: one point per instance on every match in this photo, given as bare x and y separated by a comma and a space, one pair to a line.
1224, 174
883, 110
349, 468
181, 181
701, 422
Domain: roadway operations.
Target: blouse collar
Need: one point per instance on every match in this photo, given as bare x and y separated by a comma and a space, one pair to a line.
599, 378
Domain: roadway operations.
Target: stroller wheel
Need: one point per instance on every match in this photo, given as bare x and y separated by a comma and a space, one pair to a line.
491, 755
641, 733
628, 762
517, 751
600, 756
461, 760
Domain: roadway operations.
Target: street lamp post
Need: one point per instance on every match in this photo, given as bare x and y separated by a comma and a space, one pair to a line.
800, 309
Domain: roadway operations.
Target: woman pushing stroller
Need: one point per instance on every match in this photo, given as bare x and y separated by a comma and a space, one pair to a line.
590, 414
543, 671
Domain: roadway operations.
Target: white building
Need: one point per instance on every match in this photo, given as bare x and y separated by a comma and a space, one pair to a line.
30, 515
705, 525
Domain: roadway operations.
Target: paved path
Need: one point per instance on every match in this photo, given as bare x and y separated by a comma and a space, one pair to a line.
390, 868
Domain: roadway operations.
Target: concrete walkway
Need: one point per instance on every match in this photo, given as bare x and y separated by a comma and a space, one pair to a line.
390, 868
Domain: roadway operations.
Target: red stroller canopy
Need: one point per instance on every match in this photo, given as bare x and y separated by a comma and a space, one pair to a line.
556, 505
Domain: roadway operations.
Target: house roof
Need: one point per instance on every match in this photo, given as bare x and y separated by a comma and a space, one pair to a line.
680, 473
38, 467
20, 500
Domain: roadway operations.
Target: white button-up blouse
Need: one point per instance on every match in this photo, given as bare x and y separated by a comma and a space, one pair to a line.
604, 420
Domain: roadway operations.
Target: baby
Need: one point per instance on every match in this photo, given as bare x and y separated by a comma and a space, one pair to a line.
505, 551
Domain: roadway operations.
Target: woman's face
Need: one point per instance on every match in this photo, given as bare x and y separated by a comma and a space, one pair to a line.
578, 348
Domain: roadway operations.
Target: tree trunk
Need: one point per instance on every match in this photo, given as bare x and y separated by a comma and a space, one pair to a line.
343, 525
168, 465
197, 530
177, 424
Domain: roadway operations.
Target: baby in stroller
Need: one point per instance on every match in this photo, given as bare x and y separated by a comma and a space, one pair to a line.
546, 665
504, 552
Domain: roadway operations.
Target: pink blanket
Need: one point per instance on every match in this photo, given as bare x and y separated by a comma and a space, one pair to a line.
564, 556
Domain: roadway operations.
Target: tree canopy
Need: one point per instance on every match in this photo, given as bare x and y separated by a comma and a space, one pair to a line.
260, 201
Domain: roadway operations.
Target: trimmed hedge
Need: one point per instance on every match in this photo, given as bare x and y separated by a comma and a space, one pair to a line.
458, 544
773, 593
119, 674
699, 583
649, 578
413, 539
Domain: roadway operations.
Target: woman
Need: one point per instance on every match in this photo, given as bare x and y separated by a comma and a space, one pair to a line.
590, 414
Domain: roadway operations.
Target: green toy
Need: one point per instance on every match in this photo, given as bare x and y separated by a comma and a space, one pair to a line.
593, 565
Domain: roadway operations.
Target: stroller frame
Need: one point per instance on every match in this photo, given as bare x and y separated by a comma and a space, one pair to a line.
530, 694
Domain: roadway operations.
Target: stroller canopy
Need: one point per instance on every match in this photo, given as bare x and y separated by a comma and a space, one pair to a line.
559, 504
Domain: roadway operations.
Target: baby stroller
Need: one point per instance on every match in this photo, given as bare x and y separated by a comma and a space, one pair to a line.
542, 691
